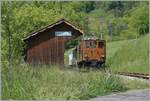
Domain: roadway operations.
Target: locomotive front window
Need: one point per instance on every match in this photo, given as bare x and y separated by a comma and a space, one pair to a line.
90, 44
87, 44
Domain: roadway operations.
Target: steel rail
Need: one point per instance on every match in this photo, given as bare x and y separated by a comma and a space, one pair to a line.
138, 75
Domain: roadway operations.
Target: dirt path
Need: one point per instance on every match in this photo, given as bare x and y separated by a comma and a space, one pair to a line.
136, 95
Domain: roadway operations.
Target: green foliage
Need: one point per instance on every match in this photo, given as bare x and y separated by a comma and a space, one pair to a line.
71, 44
30, 16
128, 19
139, 19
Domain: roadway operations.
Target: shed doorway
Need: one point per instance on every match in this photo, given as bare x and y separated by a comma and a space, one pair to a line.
68, 54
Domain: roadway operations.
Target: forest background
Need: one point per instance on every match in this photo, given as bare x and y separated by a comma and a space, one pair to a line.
112, 20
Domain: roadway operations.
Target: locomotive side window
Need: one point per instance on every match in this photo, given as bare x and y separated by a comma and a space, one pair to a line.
101, 44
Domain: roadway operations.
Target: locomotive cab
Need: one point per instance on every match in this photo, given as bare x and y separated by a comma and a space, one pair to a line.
90, 53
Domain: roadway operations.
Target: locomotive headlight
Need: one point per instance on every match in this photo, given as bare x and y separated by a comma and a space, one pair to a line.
86, 55
102, 55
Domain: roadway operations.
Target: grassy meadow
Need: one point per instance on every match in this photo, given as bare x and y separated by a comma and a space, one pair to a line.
128, 55
113, 21
45, 82
28, 82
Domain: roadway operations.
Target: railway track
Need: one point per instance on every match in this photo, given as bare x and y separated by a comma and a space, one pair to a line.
138, 75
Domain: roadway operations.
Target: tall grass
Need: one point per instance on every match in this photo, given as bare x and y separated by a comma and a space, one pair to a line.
131, 55
44, 82
53, 83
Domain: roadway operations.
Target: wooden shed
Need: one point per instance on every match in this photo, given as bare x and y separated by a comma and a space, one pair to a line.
47, 45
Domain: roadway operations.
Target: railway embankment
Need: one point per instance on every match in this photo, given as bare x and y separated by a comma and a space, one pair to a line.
128, 55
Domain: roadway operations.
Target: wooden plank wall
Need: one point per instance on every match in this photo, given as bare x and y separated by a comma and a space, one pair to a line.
49, 52
46, 48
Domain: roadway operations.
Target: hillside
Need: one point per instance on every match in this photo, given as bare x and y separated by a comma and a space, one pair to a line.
128, 55
112, 20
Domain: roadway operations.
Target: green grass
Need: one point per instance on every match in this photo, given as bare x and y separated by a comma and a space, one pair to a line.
43, 82
128, 55
136, 84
